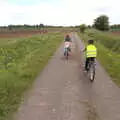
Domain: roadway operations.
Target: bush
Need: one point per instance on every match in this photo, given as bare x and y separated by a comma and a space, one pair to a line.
82, 28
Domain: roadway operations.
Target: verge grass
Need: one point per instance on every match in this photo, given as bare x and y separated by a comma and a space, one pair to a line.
21, 60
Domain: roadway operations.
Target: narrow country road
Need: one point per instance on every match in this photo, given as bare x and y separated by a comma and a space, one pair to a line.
63, 92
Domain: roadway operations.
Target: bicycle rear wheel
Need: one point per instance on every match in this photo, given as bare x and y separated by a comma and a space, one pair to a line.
91, 71
66, 54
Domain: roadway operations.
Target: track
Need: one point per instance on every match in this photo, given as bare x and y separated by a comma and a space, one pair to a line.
63, 92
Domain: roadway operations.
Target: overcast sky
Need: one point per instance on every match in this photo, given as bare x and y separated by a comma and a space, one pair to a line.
57, 12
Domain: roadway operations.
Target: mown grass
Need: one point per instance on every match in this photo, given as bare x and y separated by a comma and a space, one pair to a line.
20, 62
108, 51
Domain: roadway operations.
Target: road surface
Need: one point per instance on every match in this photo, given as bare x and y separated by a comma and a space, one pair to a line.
63, 92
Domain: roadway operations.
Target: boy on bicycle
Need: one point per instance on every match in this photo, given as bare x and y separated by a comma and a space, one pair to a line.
91, 53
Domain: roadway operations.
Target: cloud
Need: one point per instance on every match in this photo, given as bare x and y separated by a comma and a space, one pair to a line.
57, 12
103, 9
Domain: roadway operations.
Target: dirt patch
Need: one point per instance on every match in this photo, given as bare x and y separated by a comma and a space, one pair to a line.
21, 33
116, 32
91, 111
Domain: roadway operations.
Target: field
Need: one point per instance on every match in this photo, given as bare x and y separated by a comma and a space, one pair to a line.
108, 51
5, 33
116, 32
21, 60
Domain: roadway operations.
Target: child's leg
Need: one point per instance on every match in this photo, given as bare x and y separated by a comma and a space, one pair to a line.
86, 63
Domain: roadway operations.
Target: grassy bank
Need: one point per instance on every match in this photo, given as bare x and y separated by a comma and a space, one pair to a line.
20, 62
108, 51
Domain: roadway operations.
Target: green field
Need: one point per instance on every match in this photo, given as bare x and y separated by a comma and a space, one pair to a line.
108, 51
21, 60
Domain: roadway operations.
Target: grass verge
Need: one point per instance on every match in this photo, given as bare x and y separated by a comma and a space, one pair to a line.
20, 62
108, 51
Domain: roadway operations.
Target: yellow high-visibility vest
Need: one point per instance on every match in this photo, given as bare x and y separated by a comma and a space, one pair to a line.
91, 51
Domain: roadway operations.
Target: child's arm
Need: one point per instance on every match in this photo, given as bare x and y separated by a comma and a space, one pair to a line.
84, 50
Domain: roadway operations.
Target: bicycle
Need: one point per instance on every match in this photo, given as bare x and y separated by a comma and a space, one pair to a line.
66, 53
91, 70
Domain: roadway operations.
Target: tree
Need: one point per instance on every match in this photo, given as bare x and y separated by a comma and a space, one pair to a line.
89, 26
82, 28
102, 23
41, 25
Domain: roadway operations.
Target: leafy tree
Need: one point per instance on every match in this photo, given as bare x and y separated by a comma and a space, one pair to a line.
82, 28
41, 25
89, 26
102, 23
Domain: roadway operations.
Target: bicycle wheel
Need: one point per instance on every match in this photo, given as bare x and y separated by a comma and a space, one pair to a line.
92, 71
66, 54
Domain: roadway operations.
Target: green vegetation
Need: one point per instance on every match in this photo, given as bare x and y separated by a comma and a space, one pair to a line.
38, 27
101, 23
21, 27
115, 27
82, 28
108, 51
20, 62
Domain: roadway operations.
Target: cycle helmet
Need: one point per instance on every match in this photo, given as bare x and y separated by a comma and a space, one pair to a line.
90, 41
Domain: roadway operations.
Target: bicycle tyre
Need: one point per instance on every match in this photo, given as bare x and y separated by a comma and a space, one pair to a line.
66, 54
91, 71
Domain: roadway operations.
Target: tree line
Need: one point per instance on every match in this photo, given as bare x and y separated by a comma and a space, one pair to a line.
100, 23
115, 26
23, 26
26, 27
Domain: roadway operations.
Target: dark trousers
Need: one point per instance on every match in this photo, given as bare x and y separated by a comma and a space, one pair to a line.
87, 62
